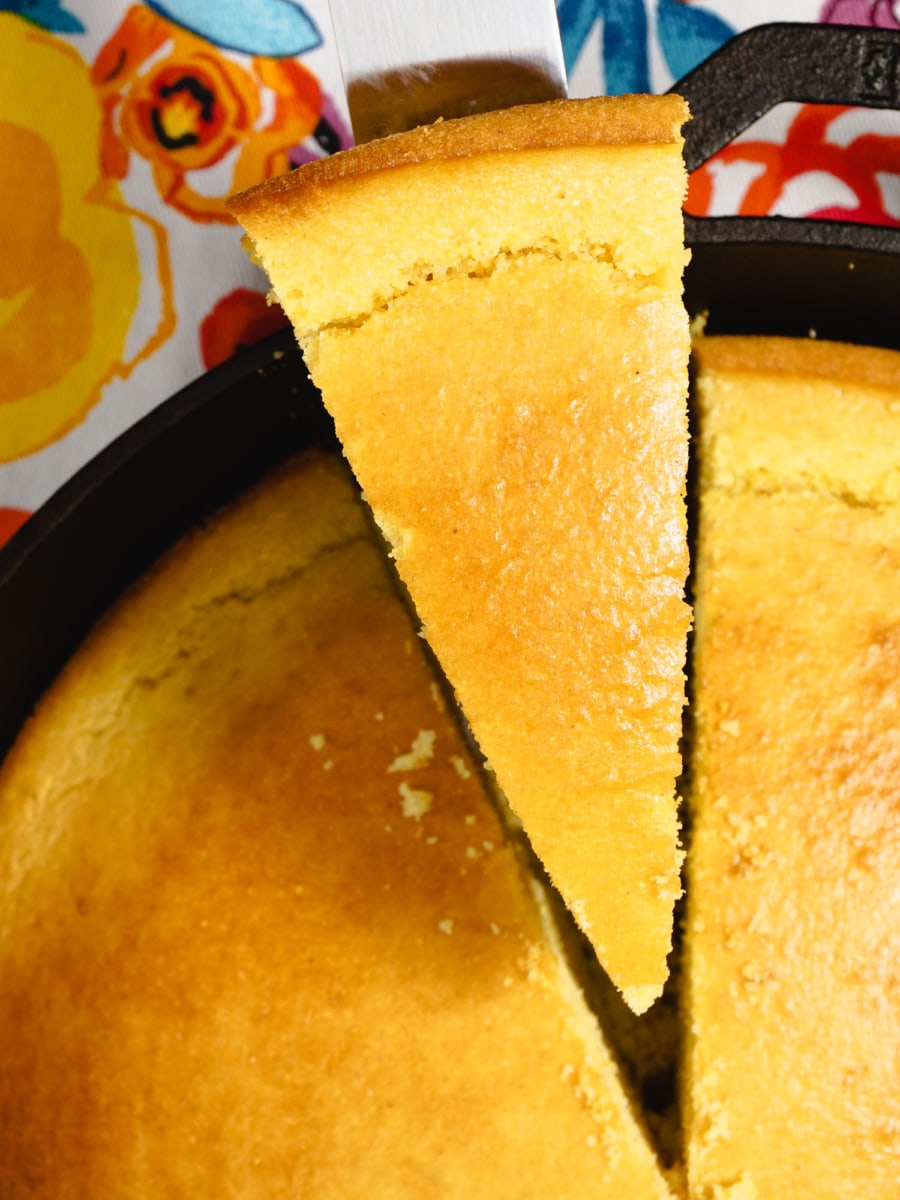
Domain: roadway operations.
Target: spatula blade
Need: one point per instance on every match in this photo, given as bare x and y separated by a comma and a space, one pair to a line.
408, 62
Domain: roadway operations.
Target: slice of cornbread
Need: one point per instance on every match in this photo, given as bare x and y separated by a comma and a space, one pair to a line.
492, 309
792, 1084
261, 931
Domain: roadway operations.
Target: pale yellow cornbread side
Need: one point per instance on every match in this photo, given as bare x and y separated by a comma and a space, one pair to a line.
792, 1008
261, 932
492, 309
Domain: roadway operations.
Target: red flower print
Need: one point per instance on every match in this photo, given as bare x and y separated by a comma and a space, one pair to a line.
238, 319
857, 165
11, 520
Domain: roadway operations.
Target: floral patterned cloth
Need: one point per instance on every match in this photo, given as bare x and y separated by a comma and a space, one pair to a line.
123, 127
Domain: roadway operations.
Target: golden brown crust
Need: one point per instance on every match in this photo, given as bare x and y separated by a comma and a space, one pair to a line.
261, 932
597, 121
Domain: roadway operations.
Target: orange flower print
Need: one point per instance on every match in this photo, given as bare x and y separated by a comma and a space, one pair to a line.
69, 270
187, 107
810, 146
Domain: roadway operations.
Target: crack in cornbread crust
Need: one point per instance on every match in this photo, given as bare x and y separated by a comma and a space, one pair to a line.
432, 275
792, 1009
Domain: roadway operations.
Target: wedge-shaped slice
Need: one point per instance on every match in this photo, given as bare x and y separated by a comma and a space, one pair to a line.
492, 310
793, 936
261, 932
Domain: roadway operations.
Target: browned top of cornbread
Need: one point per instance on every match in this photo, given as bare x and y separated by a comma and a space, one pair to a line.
793, 930
541, 535
837, 362
261, 933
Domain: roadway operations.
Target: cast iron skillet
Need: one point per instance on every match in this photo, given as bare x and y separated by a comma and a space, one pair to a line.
199, 449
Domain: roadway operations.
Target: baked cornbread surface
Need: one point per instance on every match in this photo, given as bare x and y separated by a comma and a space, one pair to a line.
792, 1008
492, 310
261, 932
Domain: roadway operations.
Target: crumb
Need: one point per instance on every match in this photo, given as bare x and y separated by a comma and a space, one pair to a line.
420, 754
416, 801
459, 765
578, 910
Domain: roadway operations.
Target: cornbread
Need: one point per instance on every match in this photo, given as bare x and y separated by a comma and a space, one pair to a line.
492, 310
792, 1020
261, 932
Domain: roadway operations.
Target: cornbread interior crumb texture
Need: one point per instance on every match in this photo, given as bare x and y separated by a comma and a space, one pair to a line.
492, 309
233, 961
792, 1020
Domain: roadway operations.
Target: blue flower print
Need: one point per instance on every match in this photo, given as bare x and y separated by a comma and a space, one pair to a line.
49, 14
686, 33
268, 28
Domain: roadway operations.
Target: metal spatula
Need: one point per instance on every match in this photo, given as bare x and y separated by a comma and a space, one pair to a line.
408, 62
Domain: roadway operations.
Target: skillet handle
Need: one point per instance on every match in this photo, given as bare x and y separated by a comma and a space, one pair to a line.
769, 64
784, 275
